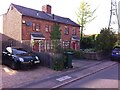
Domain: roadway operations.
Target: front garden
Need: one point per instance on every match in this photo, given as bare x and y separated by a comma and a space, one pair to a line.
99, 46
93, 48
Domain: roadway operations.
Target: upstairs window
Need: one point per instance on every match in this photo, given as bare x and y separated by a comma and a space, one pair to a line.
46, 28
36, 27
66, 31
74, 31
33, 26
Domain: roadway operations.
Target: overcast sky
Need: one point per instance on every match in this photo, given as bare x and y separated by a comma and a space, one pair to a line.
67, 8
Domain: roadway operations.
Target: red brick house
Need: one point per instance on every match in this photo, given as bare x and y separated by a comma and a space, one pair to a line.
26, 26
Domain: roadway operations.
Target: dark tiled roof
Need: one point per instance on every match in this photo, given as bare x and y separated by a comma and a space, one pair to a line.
42, 15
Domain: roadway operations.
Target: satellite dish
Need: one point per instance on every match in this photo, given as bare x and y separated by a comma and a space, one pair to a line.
28, 23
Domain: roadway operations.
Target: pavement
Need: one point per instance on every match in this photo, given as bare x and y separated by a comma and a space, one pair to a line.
81, 69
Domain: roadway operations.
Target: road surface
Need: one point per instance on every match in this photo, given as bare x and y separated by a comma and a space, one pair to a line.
107, 78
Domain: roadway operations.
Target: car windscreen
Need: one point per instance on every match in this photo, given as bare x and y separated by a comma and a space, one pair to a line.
117, 49
16, 51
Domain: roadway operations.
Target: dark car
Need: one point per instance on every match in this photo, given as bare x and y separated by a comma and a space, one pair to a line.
17, 58
116, 53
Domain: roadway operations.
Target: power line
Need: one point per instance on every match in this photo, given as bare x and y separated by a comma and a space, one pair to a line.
114, 14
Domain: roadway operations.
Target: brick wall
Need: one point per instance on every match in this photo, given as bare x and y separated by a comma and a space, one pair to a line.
26, 30
15, 26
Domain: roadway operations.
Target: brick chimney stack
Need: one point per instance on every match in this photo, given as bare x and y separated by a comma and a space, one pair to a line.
46, 9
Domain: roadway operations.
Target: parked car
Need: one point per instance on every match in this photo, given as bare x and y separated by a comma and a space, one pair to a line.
18, 57
116, 53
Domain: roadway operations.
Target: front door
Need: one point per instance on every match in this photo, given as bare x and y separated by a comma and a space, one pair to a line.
41, 45
36, 46
73, 45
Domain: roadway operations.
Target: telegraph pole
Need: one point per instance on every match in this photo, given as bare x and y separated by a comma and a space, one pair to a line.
113, 16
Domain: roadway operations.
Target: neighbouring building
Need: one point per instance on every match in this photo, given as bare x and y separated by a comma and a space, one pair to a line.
119, 15
27, 27
1, 27
1, 33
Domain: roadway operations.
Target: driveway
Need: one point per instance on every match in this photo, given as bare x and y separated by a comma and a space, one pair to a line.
11, 78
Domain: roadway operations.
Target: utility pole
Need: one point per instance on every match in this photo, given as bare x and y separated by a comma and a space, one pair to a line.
114, 21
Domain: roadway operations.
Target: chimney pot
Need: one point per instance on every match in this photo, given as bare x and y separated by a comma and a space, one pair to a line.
46, 9
53, 16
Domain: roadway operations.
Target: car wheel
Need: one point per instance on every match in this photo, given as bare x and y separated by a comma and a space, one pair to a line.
14, 66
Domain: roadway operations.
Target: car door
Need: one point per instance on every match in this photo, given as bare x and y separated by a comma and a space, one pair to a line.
4, 57
7, 57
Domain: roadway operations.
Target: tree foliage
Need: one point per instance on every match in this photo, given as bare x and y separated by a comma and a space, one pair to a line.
88, 42
55, 36
55, 33
118, 39
106, 40
84, 15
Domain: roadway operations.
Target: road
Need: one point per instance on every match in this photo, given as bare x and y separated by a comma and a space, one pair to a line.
107, 78
44, 77
36, 73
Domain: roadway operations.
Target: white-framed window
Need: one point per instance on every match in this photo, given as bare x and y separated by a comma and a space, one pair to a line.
74, 31
66, 31
46, 28
36, 27
33, 26
66, 44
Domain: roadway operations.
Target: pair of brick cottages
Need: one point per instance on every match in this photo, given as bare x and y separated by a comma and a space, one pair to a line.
25, 26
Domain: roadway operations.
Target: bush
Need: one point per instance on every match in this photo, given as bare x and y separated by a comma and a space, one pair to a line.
118, 39
88, 42
58, 62
78, 54
106, 40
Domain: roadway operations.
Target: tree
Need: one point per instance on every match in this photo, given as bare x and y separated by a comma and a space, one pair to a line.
55, 33
84, 15
106, 40
118, 39
55, 36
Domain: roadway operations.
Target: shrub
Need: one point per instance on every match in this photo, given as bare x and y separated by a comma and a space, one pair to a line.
88, 42
106, 40
79, 54
58, 62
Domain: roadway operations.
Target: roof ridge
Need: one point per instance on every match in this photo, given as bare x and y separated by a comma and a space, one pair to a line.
35, 13
26, 7
38, 10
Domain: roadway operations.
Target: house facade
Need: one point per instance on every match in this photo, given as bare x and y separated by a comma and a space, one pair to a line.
27, 27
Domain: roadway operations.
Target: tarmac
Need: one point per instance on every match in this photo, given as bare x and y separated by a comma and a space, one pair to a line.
59, 79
